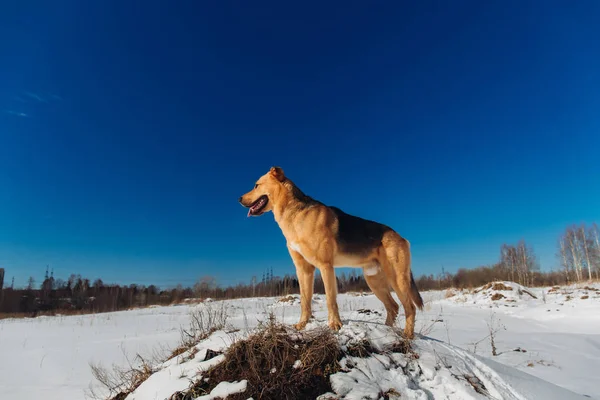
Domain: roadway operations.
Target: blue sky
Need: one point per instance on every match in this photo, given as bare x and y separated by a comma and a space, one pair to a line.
128, 130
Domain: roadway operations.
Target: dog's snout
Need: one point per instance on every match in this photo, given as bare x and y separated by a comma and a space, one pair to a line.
240, 199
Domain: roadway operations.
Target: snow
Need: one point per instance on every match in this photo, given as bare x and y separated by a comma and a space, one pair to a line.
175, 374
224, 389
557, 335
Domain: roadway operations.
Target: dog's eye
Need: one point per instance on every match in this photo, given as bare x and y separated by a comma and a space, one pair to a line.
255, 186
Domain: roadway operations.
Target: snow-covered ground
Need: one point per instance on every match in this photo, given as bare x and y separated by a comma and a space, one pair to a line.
543, 337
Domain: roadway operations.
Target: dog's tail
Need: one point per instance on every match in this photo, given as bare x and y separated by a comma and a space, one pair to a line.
413, 293
415, 296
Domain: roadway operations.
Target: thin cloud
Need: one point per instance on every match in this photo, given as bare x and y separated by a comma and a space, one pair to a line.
36, 97
16, 113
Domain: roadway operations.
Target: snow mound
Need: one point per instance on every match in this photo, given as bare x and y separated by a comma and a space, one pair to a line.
505, 293
562, 294
375, 363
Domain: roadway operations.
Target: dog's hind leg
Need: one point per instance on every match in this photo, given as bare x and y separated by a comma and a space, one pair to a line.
397, 251
306, 278
380, 286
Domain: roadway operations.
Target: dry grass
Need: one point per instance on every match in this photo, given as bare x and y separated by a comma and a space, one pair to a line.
287, 299
66, 313
449, 293
118, 382
203, 322
501, 286
51, 313
497, 296
277, 363
498, 286
281, 363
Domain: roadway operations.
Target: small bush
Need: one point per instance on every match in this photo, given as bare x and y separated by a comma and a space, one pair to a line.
119, 382
277, 363
204, 321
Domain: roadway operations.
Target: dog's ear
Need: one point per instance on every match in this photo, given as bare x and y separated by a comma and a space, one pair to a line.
277, 173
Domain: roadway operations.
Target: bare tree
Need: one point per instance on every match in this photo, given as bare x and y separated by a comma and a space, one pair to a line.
564, 258
30, 283
580, 250
205, 285
508, 260
519, 260
584, 243
574, 249
595, 252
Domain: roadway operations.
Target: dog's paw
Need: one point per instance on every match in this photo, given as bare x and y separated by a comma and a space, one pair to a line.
408, 335
300, 325
335, 325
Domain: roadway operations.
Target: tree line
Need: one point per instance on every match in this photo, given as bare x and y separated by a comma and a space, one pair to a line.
80, 295
578, 253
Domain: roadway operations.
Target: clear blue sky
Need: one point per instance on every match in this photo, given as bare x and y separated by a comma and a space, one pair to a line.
128, 130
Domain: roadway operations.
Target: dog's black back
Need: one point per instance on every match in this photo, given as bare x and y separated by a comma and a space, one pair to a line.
358, 235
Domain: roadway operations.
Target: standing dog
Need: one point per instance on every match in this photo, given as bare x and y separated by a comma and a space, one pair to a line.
325, 237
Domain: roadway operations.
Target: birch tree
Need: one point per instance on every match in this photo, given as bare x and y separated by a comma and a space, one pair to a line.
594, 236
565, 260
585, 249
573, 248
520, 260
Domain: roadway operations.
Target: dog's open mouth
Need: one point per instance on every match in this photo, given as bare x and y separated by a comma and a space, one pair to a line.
258, 206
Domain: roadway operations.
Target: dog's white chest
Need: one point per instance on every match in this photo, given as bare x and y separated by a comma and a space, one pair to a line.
296, 247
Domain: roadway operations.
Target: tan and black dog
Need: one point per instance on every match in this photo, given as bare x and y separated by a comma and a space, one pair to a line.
325, 237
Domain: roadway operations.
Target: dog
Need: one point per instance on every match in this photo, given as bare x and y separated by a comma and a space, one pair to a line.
324, 237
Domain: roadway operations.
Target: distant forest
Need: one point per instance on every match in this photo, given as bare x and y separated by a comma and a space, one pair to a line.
578, 250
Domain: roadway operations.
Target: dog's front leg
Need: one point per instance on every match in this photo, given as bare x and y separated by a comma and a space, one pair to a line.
306, 278
328, 274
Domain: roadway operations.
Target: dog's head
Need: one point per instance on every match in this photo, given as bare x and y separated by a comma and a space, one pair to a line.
261, 199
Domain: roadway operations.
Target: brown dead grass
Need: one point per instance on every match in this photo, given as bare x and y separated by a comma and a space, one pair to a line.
287, 299
591, 289
52, 313
178, 351
501, 286
67, 313
497, 296
493, 286
121, 381
449, 293
279, 362
266, 360
585, 297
